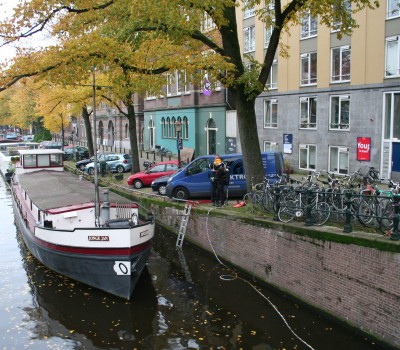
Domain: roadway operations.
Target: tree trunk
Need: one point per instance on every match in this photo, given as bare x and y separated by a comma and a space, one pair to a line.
249, 141
88, 128
133, 136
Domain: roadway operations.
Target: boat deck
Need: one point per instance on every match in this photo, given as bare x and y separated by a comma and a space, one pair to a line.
55, 189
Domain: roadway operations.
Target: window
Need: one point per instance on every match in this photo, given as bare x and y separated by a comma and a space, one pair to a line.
185, 128
340, 113
308, 63
272, 82
249, 39
340, 64
392, 57
180, 80
307, 157
393, 8
169, 84
339, 159
168, 130
207, 23
308, 113
269, 25
271, 114
248, 11
309, 26
270, 146
164, 128
341, 11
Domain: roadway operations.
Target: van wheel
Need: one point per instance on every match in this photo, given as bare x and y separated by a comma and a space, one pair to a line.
181, 193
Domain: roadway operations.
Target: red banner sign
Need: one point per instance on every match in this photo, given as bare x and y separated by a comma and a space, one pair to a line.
364, 148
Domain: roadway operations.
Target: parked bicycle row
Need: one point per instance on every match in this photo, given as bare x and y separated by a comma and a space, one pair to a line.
321, 196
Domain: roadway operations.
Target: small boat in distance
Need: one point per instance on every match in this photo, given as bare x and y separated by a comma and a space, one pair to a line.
103, 244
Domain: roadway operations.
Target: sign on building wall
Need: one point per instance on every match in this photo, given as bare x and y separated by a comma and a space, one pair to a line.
231, 145
364, 148
288, 143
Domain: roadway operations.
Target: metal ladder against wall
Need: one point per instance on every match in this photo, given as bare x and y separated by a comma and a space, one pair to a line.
184, 222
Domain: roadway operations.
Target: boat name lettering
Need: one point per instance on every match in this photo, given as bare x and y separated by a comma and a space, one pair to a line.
144, 233
99, 238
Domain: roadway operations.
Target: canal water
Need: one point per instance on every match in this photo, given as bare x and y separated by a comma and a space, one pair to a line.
183, 301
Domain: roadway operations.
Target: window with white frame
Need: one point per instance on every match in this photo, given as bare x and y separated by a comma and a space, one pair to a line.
340, 113
308, 74
307, 157
308, 113
340, 63
163, 128
392, 65
207, 23
169, 84
272, 81
180, 77
185, 128
270, 146
269, 25
340, 8
248, 11
339, 159
393, 8
309, 26
249, 39
270, 113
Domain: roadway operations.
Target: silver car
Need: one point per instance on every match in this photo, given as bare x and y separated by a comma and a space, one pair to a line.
119, 163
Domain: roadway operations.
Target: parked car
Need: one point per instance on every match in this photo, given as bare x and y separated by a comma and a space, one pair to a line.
82, 163
145, 178
115, 162
71, 151
28, 138
159, 185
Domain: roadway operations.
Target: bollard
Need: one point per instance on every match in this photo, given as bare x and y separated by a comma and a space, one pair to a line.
395, 232
347, 225
309, 220
277, 205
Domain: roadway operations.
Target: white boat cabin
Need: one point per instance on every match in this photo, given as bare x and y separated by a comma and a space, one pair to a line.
39, 159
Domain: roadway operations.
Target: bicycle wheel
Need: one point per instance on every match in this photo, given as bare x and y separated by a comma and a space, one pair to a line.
366, 212
338, 200
320, 213
268, 200
386, 222
287, 211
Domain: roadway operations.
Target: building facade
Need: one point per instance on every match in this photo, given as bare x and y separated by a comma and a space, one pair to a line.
333, 104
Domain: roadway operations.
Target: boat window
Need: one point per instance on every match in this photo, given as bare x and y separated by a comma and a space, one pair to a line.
43, 160
29, 160
56, 160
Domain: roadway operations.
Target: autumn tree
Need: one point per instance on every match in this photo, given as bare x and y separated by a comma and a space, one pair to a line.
179, 22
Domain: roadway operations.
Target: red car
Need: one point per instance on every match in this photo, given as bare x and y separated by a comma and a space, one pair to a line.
145, 178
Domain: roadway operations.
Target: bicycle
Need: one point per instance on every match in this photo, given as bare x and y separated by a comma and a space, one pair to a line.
161, 151
254, 198
295, 208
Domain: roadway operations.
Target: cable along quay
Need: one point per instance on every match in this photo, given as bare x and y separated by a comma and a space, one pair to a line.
225, 311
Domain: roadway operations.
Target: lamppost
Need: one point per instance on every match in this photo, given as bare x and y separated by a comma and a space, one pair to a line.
179, 146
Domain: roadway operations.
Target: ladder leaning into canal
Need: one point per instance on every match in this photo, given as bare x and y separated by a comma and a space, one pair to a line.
184, 222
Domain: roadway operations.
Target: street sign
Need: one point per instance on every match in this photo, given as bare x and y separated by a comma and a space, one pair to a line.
179, 144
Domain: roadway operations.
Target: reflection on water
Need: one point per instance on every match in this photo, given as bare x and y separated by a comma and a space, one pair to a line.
183, 301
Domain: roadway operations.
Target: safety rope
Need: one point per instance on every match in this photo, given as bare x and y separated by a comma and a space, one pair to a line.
235, 276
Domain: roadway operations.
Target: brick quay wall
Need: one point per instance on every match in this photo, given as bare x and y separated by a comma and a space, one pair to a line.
354, 277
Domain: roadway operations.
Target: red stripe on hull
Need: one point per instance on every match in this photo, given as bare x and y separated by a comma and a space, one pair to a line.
93, 251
